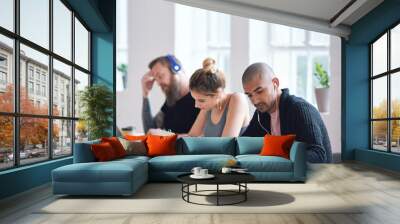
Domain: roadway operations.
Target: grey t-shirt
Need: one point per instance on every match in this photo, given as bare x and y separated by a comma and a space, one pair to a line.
215, 130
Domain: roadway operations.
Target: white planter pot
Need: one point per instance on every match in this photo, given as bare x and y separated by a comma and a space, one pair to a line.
322, 96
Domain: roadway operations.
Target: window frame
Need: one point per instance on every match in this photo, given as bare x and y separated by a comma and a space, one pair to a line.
307, 49
16, 114
388, 74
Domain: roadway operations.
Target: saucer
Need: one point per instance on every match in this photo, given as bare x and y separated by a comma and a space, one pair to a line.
208, 176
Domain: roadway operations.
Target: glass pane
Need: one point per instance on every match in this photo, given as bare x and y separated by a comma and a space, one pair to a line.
395, 129
6, 74
280, 35
81, 131
379, 98
62, 89
62, 29
280, 62
298, 37
35, 21
395, 47
33, 139
34, 82
218, 29
7, 14
81, 45
81, 81
379, 55
62, 138
6, 142
379, 135
301, 70
395, 95
319, 39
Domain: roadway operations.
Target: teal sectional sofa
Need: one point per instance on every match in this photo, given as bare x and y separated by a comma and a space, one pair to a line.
125, 176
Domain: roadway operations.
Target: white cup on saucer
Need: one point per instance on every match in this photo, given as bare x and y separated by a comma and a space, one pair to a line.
196, 171
203, 172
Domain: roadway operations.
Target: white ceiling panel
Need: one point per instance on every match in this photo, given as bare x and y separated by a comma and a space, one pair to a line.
326, 16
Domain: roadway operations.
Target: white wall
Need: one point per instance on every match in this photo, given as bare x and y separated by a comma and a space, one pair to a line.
150, 34
239, 51
151, 29
333, 118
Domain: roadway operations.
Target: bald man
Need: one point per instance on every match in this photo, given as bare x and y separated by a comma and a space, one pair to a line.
279, 113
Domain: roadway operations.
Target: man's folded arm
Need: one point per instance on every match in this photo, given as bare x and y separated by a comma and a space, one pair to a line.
148, 120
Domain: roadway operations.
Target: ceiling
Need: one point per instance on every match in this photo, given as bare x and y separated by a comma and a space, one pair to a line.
327, 16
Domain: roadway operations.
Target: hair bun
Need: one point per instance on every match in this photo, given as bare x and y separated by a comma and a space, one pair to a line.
209, 64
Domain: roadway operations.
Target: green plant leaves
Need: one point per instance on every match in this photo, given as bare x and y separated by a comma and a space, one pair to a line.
96, 102
322, 75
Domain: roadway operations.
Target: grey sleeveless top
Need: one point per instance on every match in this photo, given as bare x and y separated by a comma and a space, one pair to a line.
215, 130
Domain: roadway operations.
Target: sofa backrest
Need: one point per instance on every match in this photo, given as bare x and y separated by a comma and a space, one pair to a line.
190, 146
206, 145
83, 153
249, 145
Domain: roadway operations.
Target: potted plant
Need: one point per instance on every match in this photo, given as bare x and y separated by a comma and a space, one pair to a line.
96, 102
322, 89
123, 68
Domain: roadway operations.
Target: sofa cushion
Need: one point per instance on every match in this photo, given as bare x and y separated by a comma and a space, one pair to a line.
257, 163
103, 152
116, 145
277, 145
206, 145
134, 147
249, 145
161, 145
111, 171
129, 159
185, 163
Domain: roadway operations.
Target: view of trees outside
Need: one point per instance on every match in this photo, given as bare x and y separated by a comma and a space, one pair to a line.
379, 128
33, 138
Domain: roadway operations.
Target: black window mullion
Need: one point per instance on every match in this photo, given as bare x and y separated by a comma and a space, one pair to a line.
371, 132
50, 81
73, 82
16, 84
389, 101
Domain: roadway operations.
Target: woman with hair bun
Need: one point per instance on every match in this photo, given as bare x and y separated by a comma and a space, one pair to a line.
221, 113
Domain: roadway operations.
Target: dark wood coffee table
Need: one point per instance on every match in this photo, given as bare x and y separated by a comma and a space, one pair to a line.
238, 179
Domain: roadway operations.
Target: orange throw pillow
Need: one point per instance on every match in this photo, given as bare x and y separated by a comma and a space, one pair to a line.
116, 145
135, 137
277, 145
161, 145
103, 152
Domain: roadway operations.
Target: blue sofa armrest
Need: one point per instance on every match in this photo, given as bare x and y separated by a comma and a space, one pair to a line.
83, 152
299, 159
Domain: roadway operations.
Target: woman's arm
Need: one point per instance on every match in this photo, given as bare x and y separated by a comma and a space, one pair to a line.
238, 113
198, 126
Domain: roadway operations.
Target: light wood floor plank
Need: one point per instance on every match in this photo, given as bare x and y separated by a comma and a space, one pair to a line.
376, 189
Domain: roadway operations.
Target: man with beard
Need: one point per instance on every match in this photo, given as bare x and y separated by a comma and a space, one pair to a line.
178, 112
279, 113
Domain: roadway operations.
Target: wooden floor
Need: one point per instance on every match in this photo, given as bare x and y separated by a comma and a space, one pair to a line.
378, 188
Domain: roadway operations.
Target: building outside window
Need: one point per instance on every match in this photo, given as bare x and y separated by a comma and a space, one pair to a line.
30, 87
3, 72
34, 77
30, 72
